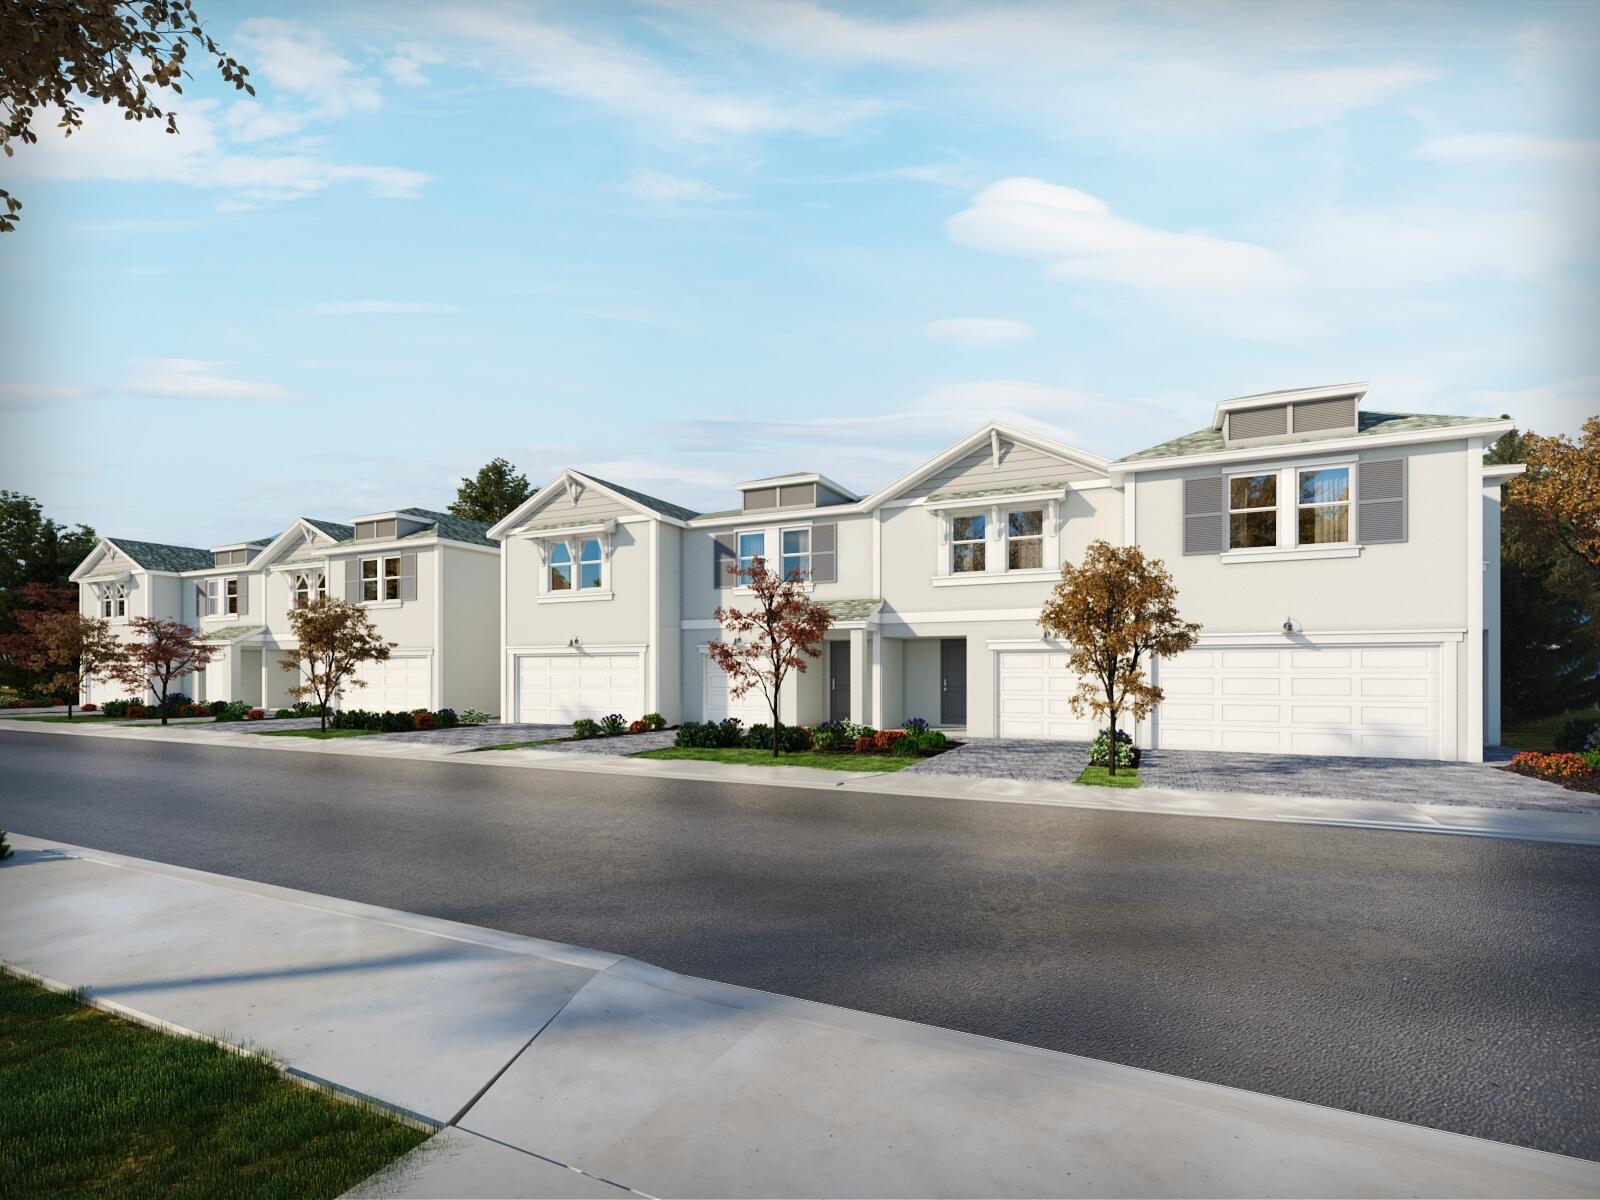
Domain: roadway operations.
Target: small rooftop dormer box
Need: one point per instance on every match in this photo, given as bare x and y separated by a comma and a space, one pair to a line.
1276, 416
386, 526
793, 491
239, 553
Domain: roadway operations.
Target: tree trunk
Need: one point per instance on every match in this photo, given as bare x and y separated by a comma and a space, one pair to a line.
163, 702
776, 728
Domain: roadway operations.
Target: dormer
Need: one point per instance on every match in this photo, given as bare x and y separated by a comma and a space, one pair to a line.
1281, 416
792, 491
239, 553
386, 526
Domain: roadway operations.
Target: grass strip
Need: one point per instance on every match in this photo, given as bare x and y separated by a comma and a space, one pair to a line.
1126, 777
1540, 734
319, 734
91, 1104
763, 758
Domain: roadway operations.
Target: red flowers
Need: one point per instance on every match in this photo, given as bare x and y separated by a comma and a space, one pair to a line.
1551, 766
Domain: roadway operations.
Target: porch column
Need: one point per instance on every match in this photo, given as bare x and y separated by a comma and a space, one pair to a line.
858, 673
877, 678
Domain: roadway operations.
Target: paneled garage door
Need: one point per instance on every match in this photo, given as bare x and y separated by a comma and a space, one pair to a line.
751, 708
559, 688
399, 684
1035, 687
1382, 701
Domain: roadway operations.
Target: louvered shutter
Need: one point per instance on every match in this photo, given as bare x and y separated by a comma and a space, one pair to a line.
824, 553
723, 556
352, 579
408, 576
1381, 501
1203, 515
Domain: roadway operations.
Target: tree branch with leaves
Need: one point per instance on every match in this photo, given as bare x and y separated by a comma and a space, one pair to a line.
61, 644
1114, 612
161, 652
333, 639
496, 491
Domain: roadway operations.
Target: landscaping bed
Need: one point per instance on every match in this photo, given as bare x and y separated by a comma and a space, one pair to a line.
744, 756
92, 1104
1574, 762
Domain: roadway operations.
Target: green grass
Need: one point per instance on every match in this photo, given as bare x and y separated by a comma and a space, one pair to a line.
763, 758
314, 733
521, 745
1126, 777
1540, 734
53, 717
91, 1104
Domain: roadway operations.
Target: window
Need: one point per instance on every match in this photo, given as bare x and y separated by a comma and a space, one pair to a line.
751, 546
1324, 505
122, 601
322, 587
380, 579
391, 579
230, 596
560, 568
1025, 540
369, 579
213, 597
967, 549
114, 601
796, 553
1252, 511
105, 602
589, 575
302, 591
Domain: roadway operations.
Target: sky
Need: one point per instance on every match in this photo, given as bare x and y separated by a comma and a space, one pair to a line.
680, 245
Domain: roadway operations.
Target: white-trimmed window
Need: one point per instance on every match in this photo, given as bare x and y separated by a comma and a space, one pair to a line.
1252, 510
230, 595
213, 597
1323, 506
969, 543
590, 560
560, 568
380, 578
796, 553
752, 545
322, 586
1025, 539
114, 601
302, 591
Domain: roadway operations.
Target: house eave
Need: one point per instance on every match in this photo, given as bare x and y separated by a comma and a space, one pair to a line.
1295, 449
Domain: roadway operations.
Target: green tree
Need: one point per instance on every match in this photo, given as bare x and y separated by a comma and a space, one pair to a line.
494, 492
33, 549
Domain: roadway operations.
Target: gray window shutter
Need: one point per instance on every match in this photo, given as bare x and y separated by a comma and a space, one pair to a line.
408, 577
352, 579
244, 595
1381, 501
1203, 517
824, 553
724, 554
199, 600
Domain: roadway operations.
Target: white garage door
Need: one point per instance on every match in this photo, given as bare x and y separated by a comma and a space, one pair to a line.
557, 689
717, 702
1035, 690
398, 684
1381, 701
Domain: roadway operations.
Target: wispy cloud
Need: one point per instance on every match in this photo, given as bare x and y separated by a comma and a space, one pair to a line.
194, 379
1503, 150
299, 59
980, 331
364, 308
405, 66
657, 187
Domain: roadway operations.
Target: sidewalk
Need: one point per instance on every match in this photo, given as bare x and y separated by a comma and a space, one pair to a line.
1578, 828
558, 1071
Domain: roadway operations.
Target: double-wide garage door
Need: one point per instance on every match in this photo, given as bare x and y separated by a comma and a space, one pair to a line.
557, 689
398, 684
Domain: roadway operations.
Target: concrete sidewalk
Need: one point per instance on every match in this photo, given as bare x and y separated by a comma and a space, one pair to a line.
1578, 828
558, 1071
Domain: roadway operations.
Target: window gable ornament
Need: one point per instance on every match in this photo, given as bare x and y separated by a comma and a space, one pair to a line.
574, 490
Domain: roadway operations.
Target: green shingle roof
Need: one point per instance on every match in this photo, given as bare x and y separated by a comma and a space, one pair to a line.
1209, 441
232, 633
851, 610
157, 556
448, 525
665, 507
338, 532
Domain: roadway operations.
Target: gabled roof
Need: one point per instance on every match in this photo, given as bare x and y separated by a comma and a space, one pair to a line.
979, 437
158, 556
665, 507
1370, 424
449, 526
333, 529
556, 487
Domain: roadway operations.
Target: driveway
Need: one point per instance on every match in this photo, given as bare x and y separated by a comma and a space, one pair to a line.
1401, 780
473, 737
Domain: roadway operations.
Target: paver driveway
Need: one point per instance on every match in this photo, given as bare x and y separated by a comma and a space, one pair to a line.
1410, 781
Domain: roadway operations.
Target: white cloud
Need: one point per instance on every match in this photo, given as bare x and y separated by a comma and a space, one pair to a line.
362, 308
657, 187
1497, 150
405, 66
1549, 409
1083, 240
194, 379
980, 331
300, 60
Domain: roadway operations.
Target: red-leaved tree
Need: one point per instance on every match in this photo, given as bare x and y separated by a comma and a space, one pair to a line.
777, 636
163, 652
60, 644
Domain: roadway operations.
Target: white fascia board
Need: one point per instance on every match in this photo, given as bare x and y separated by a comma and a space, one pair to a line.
1292, 450
1503, 471
798, 477
767, 517
972, 441
82, 571
275, 547
555, 487
1331, 391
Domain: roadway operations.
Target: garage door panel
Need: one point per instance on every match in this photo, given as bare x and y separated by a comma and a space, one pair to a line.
1036, 690
557, 689
1407, 658
1322, 743
1252, 714
1250, 660
1251, 685
1381, 686
1261, 741
1320, 660
1322, 714
398, 684
1317, 685
1188, 685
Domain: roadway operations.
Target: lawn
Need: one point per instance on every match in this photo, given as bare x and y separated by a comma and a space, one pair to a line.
1540, 734
53, 717
316, 733
95, 1105
763, 758
1098, 777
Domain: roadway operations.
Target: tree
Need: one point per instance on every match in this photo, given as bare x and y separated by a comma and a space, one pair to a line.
333, 638
61, 644
776, 637
54, 53
1559, 496
493, 493
35, 549
162, 652
1114, 610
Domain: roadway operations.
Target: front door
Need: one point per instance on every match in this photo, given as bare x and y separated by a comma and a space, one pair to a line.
838, 681
953, 681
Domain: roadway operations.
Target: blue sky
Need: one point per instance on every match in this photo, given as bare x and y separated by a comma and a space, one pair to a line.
683, 244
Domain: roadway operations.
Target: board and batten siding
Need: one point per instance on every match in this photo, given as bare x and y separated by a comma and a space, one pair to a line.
1019, 465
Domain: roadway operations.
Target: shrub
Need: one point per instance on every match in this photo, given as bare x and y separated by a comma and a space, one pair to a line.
654, 721
906, 747
929, 741
283, 714
446, 718
422, 719
791, 739
115, 708
915, 725
885, 739
194, 710
5, 846
1100, 750
57, 702
177, 700
218, 706
256, 714
396, 722
637, 727
233, 710
613, 723
712, 735
828, 736
584, 728
866, 745
1552, 766
87, 708
137, 711
473, 716
1574, 735
730, 732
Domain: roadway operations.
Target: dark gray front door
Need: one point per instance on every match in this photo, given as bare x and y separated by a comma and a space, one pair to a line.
838, 681
952, 681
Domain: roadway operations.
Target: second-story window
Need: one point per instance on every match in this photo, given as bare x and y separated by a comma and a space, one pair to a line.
560, 568
322, 587
1324, 506
106, 602
968, 551
230, 596
751, 547
1025, 539
1252, 511
380, 578
796, 553
589, 574
213, 597
302, 591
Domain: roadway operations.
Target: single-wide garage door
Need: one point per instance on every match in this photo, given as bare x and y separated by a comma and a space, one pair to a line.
1380, 701
557, 689
398, 684
1035, 689
717, 702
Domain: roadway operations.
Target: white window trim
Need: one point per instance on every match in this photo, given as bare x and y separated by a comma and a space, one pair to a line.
319, 590
1349, 503
1288, 547
1006, 537
971, 578
950, 519
739, 536
1289, 553
1275, 508
996, 540
573, 541
604, 563
361, 576
213, 590
805, 529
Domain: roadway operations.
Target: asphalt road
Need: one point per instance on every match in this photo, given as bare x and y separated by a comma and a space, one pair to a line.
1447, 981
